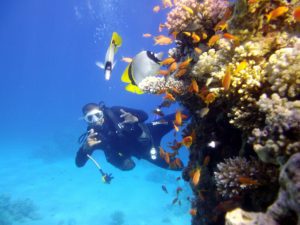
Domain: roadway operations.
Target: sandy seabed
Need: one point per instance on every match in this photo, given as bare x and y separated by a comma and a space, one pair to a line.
65, 195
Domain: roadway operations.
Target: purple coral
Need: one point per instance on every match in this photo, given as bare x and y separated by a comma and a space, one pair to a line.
229, 174
206, 15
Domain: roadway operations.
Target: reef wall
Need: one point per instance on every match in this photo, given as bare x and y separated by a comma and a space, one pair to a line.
236, 67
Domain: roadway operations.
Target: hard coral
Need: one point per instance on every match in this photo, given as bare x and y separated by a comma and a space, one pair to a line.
280, 137
155, 85
283, 70
237, 175
285, 210
205, 15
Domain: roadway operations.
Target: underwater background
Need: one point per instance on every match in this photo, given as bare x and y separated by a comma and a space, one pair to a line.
48, 72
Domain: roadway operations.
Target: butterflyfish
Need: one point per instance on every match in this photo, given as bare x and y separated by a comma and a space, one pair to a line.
109, 64
144, 64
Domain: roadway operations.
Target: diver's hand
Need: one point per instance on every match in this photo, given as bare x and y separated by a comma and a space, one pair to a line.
91, 140
128, 117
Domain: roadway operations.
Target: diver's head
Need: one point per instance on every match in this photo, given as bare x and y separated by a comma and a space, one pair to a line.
93, 114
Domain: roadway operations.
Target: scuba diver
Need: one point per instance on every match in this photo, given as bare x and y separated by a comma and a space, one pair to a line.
121, 133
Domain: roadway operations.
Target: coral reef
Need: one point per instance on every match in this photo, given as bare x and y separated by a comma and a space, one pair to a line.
12, 211
280, 137
242, 88
237, 175
156, 85
204, 17
285, 210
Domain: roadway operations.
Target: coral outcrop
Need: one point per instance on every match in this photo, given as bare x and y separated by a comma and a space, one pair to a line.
285, 210
242, 88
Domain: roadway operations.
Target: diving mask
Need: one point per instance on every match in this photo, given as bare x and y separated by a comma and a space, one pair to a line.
94, 116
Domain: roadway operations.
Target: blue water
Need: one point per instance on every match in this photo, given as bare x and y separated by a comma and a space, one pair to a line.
47, 60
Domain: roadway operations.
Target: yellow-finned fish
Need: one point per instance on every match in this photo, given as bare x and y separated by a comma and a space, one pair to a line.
108, 65
144, 64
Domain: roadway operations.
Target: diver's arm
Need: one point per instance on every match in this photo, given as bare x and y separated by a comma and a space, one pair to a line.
141, 115
91, 143
81, 156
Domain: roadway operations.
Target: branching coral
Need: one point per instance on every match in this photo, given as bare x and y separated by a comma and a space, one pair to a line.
283, 70
204, 17
236, 175
155, 85
280, 137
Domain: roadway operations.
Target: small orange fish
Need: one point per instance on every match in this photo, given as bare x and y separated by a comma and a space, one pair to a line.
230, 37
297, 14
127, 59
180, 73
162, 153
188, 9
164, 188
175, 90
187, 141
156, 8
204, 36
213, 40
226, 206
178, 190
193, 212
275, 13
206, 160
176, 127
203, 112
242, 65
173, 67
247, 181
147, 35
226, 81
210, 98
178, 163
169, 96
185, 63
162, 40
161, 27
167, 158
196, 177
176, 145
178, 118
164, 72
167, 61
167, 3
193, 134
201, 196
174, 34
165, 104
174, 200
222, 25
198, 50
196, 38
228, 13
194, 88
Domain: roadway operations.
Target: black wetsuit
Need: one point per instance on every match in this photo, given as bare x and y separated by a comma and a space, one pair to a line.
137, 139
